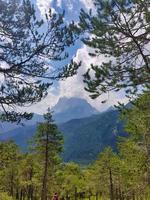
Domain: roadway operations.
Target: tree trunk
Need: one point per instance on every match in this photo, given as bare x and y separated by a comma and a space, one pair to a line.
17, 194
30, 187
21, 194
12, 184
44, 184
133, 195
147, 145
116, 194
90, 194
111, 185
96, 195
75, 194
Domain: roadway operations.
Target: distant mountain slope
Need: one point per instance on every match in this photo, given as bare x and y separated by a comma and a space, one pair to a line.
7, 126
72, 108
84, 138
65, 110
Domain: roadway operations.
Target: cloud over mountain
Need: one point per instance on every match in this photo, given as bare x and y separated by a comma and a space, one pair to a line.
74, 86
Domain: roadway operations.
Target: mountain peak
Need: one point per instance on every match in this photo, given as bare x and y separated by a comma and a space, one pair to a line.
72, 108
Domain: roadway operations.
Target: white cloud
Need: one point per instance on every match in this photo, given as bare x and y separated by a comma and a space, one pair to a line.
69, 4
74, 87
59, 3
87, 3
44, 6
42, 106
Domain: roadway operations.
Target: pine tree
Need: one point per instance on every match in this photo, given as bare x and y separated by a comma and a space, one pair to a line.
48, 146
29, 184
138, 124
70, 180
133, 168
28, 47
10, 157
119, 31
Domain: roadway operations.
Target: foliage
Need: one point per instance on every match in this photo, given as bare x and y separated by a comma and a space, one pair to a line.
120, 175
83, 138
138, 125
70, 177
48, 146
138, 119
119, 31
28, 46
5, 196
9, 163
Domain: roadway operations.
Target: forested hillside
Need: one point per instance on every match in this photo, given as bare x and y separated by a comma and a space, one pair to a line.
84, 138
123, 174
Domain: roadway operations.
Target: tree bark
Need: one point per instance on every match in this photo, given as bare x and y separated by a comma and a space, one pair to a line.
111, 185
44, 184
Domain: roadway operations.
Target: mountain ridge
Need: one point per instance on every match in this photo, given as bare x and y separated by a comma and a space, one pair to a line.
84, 138
86, 131
72, 108
64, 110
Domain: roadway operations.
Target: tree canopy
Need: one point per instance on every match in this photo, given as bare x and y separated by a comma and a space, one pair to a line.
28, 48
48, 146
40, 173
120, 31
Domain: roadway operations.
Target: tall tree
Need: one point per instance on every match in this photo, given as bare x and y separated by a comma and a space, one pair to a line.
29, 182
10, 157
28, 47
48, 145
105, 173
120, 31
138, 124
133, 168
70, 180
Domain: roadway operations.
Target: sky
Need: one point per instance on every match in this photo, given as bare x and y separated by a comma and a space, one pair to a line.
74, 86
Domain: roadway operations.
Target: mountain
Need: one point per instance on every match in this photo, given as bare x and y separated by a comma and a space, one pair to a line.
84, 138
7, 126
72, 108
65, 110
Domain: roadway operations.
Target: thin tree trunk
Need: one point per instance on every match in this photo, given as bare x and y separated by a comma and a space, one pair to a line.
21, 194
111, 185
44, 184
96, 195
12, 184
75, 194
17, 194
30, 187
133, 195
117, 194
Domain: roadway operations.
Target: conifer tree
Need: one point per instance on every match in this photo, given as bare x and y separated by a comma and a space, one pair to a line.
120, 32
10, 157
138, 124
48, 146
29, 47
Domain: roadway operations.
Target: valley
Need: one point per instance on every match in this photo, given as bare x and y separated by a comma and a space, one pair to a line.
86, 132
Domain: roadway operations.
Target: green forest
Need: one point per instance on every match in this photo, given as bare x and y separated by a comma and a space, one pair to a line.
119, 30
41, 172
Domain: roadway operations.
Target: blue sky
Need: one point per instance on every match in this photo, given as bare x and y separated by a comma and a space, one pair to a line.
74, 86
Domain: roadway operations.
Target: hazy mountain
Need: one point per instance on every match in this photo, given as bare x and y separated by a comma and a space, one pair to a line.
72, 108
65, 110
84, 138
7, 126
